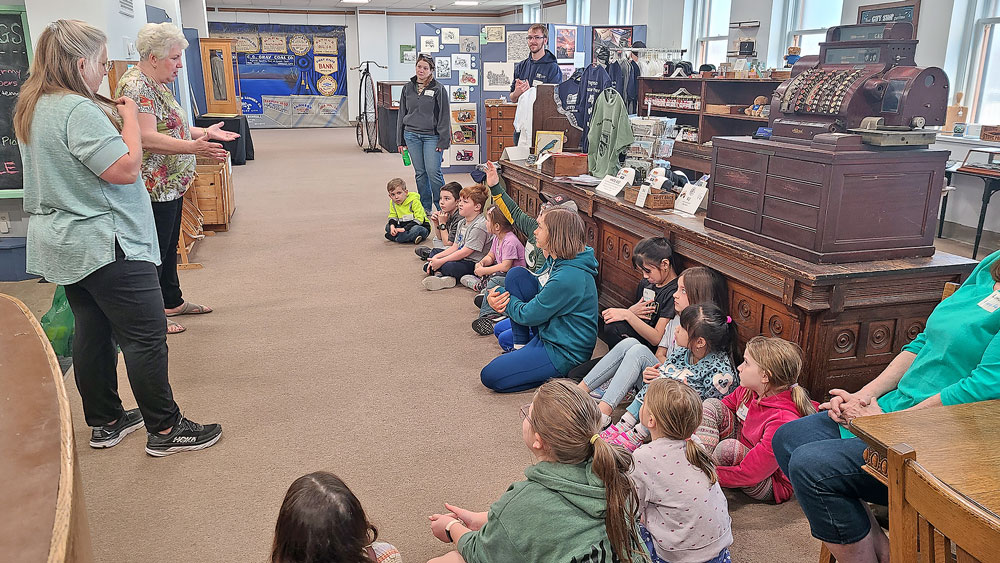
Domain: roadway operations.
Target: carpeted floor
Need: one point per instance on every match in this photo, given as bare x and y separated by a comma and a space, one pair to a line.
325, 353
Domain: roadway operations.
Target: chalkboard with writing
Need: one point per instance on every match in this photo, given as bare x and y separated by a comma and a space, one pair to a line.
14, 45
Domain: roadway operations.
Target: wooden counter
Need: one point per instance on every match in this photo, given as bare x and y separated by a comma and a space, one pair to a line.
850, 319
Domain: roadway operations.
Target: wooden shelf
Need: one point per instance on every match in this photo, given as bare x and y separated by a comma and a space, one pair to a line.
738, 116
668, 110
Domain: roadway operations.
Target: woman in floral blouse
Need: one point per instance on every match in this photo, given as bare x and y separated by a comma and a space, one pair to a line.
169, 149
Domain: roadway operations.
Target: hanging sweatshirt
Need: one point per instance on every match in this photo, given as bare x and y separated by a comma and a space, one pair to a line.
687, 516
409, 213
568, 94
610, 134
564, 311
425, 113
593, 81
555, 516
543, 71
759, 421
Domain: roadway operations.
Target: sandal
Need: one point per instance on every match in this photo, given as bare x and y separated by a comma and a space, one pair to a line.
174, 328
189, 308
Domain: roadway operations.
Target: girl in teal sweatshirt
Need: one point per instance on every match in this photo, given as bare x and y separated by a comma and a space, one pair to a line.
577, 503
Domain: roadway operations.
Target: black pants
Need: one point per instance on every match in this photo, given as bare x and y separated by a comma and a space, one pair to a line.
167, 215
121, 302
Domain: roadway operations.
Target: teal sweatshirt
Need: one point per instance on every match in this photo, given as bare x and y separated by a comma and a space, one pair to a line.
565, 310
556, 515
524, 223
958, 353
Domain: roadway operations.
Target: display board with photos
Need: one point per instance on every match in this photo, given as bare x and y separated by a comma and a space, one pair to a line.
475, 62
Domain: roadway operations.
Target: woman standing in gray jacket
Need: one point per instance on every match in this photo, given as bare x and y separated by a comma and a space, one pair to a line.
424, 127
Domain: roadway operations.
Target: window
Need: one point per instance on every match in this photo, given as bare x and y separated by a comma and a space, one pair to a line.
710, 40
981, 73
532, 12
621, 12
578, 12
807, 23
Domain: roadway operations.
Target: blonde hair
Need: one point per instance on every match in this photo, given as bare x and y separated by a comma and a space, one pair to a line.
157, 39
496, 217
781, 360
54, 70
677, 410
395, 184
566, 232
543, 28
566, 419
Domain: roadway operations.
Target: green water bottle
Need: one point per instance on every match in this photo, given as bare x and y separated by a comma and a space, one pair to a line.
406, 157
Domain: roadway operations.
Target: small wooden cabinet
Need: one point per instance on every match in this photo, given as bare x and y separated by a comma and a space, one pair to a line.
219, 69
499, 129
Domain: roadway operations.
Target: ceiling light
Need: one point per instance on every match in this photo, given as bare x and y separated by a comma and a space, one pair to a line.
466, 3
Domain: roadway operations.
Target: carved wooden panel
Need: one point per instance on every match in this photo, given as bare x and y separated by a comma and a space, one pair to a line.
625, 256
780, 324
609, 250
746, 312
593, 234
844, 341
880, 337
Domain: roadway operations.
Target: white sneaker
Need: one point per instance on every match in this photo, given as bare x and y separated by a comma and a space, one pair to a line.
434, 283
469, 281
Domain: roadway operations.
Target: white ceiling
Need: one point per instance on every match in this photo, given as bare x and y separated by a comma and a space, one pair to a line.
406, 5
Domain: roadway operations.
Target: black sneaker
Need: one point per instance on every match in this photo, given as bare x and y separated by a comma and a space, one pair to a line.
185, 436
484, 325
424, 252
110, 435
478, 300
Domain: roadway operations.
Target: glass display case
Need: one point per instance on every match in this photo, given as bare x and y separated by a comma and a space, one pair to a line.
982, 162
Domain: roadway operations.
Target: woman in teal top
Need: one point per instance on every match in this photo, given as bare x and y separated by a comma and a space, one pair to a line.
91, 230
955, 360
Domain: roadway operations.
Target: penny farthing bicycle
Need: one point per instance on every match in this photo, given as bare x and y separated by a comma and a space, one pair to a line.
368, 117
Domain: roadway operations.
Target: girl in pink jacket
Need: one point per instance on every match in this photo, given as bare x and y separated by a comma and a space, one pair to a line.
737, 430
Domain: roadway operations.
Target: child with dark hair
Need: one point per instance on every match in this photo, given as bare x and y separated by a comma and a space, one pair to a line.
444, 223
472, 240
407, 219
321, 521
505, 253
703, 359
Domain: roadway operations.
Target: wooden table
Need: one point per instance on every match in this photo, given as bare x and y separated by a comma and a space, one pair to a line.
957, 444
850, 319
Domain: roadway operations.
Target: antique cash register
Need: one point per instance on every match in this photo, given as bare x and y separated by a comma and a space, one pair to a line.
846, 175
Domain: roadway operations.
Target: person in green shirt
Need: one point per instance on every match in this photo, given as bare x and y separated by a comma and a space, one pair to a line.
91, 229
577, 503
955, 360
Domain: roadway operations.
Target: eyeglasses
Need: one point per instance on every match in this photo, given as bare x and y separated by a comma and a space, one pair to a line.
108, 66
525, 410
536, 37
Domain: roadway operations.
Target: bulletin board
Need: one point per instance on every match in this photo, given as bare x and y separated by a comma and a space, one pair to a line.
444, 41
290, 75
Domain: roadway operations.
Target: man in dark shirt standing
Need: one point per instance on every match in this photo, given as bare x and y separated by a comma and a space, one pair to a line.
539, 68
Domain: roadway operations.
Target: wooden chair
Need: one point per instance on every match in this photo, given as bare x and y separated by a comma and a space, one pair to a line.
931, 522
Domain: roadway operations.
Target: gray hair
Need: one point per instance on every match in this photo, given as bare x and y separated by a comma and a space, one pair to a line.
158, 38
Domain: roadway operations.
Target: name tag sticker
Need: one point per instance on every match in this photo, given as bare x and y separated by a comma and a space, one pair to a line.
741, 412
991, 303
648, 294
429, 93
537, 82
407, 217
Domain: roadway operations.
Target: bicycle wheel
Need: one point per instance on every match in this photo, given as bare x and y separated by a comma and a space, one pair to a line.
371, 118
361, 112
361, 133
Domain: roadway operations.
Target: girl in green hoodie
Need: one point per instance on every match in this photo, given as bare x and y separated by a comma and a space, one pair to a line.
577, 504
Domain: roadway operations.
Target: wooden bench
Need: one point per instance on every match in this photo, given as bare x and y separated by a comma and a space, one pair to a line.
43, 516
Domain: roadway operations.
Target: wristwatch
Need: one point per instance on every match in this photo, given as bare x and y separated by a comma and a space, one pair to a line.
442, 226
447, 529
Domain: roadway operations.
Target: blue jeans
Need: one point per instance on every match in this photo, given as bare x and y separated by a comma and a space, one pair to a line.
827, 473
427, 167
494, 281
410, 235
647, 538
623, 365
521, 369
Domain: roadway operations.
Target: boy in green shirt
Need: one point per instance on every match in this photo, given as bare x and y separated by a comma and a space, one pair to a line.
407, 218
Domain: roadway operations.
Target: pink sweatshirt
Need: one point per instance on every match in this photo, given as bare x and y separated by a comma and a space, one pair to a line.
763, 418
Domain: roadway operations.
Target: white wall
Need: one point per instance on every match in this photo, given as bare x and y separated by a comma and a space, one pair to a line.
173, 10
555, 14
665, 21
193, 15
935, 17
102, 14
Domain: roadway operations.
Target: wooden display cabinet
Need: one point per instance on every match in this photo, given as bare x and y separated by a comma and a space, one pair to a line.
222, 96
118, 68
499, 129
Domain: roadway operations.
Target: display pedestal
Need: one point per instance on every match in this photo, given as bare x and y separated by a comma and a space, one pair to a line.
240, 149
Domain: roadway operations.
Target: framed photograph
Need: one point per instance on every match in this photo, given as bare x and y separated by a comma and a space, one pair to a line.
462, 155
429, 44
461, 61
517, 46
408, 54
468, 44
889, 12
549, 141
468, 78
460, 94
567, 71
464, 134
611, 37
449, 35
494, 33
442, 67
463, 114
498, 77
565, 43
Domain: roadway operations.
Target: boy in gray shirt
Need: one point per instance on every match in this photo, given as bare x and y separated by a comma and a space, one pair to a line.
472, 243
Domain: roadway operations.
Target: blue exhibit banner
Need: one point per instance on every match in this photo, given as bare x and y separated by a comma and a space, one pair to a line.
290, 75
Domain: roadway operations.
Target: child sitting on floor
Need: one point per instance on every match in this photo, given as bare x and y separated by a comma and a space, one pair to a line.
321, 520
737, 430
445, 266
505, 253
576, 504
700, 532
444, 222
407, 218
703, 359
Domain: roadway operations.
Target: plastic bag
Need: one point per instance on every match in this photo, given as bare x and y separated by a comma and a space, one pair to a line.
58, 324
